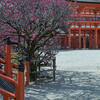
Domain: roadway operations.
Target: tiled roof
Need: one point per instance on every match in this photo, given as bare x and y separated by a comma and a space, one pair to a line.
89, 1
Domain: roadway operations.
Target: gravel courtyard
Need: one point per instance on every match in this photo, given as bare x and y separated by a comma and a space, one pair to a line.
79, 60
77, 78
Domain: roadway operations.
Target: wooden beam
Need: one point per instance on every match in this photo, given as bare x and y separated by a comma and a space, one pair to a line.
69, 38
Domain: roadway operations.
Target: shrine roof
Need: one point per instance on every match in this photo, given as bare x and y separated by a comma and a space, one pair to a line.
87, 1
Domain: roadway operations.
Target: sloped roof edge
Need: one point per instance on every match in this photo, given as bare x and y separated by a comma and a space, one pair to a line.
86, 1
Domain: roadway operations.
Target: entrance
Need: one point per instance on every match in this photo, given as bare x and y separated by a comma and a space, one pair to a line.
87, 42
81, 42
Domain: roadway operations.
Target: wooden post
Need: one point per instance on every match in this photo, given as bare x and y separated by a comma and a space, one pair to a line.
84, 42
69, 38
54, 68
8, 67
6, 98
79, 37
96, 44
74, 39
89, 38
20, 80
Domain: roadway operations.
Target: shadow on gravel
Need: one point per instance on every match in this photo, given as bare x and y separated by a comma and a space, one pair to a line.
68, 86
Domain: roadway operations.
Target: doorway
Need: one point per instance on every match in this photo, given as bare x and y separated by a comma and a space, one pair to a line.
87, 42
81, 42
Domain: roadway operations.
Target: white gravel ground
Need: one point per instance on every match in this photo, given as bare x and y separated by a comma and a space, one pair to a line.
77, 78
79, 60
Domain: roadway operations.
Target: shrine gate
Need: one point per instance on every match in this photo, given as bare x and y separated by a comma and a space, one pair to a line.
86, 32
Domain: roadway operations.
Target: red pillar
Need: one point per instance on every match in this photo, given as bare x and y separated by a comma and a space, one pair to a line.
74, 36
6, 98
96, 40
8, 61
79, 37
20, 90
20, 81
69, 38
8, 66
84, 42
89, 38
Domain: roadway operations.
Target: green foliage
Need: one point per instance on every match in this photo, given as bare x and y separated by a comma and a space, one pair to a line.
15, 58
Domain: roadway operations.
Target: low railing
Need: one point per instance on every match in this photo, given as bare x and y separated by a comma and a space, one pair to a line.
43, 66
11, 89
8, 65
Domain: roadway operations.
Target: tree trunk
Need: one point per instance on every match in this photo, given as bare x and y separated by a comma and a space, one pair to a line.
33, 68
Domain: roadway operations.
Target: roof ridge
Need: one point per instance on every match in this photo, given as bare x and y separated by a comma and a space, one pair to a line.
86, 1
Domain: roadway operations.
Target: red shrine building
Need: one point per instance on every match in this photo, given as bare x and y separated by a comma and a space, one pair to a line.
86, 33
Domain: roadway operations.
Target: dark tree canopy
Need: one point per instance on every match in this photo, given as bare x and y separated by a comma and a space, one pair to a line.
33, 22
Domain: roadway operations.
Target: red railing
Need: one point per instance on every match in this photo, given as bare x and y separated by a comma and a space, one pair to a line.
8, 64
19, 85
7, 75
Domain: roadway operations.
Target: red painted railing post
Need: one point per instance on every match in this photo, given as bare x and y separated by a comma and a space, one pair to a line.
6, 98
20, 80
8, 66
